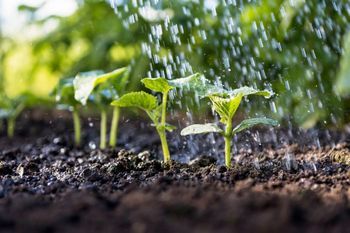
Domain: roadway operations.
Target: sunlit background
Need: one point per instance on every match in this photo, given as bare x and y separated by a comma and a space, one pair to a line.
298, 48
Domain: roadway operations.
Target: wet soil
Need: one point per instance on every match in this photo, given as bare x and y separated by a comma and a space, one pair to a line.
278, 183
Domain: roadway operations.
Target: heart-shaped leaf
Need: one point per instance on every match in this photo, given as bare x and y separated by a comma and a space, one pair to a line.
157, 84
140, 99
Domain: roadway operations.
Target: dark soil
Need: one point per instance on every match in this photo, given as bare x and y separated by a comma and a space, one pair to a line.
47, 185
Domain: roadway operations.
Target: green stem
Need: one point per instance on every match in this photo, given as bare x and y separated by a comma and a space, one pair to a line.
114, 127
228, 139
77, 127
103, 129
162, 131
164, 103
165, 148
11, 124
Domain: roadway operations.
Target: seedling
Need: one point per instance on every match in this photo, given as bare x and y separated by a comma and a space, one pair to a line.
226, 104
64, 95
157, 111
101, 89
11, 108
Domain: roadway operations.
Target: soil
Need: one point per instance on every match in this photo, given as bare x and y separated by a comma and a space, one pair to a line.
281, 181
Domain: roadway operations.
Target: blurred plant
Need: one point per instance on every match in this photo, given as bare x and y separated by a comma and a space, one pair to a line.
11, 108
343, 78
101, 89
292, 47
226, 103
64, 95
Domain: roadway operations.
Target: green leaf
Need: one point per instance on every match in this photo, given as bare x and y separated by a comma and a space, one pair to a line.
245, 91
248, 123
198, 83
120, 85
226, 107
201, 128
157, 84
226, 103
140, 99
64, 93
85, 83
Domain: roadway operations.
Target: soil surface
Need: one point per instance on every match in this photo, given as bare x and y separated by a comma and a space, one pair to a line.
281, 181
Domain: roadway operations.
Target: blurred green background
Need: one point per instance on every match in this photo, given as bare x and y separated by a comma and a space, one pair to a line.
298, 48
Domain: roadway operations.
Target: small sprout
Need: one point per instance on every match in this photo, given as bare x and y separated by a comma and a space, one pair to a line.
156, 111
226, 103
101, 89
11, 108
64, 95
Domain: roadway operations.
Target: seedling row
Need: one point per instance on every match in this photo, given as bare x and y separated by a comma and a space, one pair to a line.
107, 92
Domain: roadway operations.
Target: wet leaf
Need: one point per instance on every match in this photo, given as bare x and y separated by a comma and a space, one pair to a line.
248, 123
245, 91
226, 103
140, 99
85, 83
201, 128
157, 84
226, 107
197, 83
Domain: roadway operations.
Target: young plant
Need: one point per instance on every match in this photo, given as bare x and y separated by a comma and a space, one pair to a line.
11, 108
101, 89
64, 95
157, 111
226, 104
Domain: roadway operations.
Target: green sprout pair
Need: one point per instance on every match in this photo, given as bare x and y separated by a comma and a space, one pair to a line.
155, 110
226, 104
98, 89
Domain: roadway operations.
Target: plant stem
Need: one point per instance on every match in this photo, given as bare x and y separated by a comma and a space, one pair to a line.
77, 127
162, 131
228, 139
11, 124
114, 127
103, 129
165, 148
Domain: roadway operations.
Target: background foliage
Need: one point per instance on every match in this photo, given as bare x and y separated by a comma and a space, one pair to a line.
295, 47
